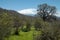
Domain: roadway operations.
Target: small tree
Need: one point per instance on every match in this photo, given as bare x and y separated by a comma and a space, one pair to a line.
37, 25
28, 26
17, 25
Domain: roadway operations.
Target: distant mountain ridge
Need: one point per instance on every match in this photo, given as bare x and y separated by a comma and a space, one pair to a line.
19, 15
16, 14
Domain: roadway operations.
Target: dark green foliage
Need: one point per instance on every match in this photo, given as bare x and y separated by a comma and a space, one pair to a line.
25, 30
16, 32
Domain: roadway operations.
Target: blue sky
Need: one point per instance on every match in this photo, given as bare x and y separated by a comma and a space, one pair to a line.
27, 4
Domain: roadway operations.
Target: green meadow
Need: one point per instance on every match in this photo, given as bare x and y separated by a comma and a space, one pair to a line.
24, 35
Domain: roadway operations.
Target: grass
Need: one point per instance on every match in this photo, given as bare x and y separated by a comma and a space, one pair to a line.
24, 35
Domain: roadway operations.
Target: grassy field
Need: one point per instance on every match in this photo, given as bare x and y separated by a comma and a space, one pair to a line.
24, 35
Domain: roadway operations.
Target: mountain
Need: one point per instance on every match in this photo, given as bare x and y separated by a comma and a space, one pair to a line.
16, 15
29, 14
19, 16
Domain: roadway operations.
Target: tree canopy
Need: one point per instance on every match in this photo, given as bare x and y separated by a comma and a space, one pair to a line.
46, 11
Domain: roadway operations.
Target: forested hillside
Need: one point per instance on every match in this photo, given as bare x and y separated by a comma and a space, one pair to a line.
43, 26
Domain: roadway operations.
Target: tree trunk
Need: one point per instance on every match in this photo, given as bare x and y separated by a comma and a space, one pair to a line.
17, 32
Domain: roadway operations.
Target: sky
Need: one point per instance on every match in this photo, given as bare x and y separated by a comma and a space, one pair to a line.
28, 6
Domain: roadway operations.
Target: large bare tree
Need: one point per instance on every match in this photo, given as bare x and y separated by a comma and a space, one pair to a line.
45, 11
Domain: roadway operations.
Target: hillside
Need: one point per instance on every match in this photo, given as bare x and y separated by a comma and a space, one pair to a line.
16, 14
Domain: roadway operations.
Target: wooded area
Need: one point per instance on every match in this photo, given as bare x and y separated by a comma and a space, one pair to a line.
43, 26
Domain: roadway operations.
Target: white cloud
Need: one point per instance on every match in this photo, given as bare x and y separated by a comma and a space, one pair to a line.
58, 13
33, 11
28, 11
